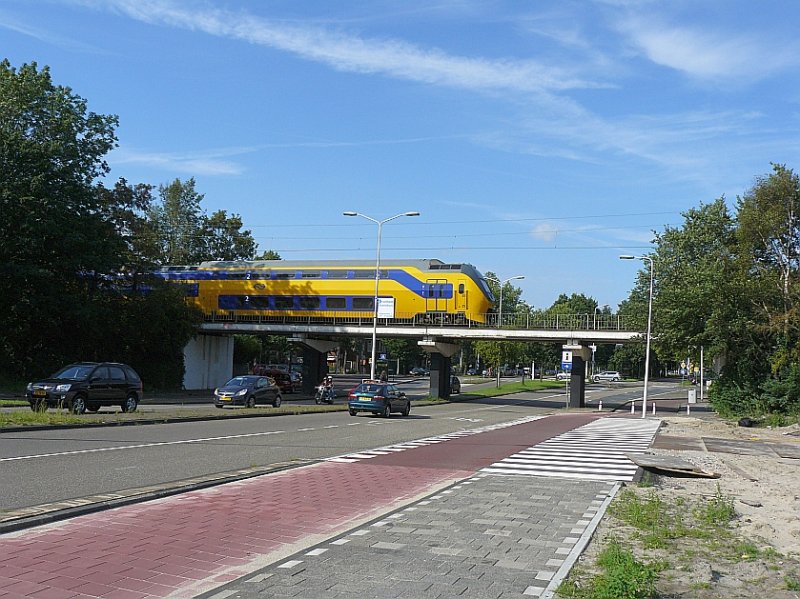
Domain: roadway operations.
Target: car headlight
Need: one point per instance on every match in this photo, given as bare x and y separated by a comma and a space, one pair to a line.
29, 387
63, 388
216, 391
241, 392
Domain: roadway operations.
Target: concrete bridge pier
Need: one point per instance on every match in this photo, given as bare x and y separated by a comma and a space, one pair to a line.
315, 360
577, 382
208, 361
441, 353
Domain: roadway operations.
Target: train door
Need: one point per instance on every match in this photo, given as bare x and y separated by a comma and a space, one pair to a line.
461, 297
435, 298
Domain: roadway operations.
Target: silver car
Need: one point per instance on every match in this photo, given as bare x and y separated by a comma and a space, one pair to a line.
607, 375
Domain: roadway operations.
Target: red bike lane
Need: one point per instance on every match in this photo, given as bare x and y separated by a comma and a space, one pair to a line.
182, 545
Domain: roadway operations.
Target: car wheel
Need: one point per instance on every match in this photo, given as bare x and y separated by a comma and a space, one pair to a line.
130, 404
92, 408
387, 411
250, 402
77, 405
218, 406
407, 409
277, 402
352, 412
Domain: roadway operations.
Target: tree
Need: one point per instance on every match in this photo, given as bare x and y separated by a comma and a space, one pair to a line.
55, 234
268, 255
225, 240
179, 222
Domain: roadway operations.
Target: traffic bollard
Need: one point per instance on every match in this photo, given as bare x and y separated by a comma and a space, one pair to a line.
633, 407
600, 406
654, 408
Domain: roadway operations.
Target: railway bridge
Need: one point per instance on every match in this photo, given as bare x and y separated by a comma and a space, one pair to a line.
209, 357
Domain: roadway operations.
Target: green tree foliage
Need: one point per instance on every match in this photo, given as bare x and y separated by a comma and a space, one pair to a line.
69, 244
268, 255
180, 232
729, 283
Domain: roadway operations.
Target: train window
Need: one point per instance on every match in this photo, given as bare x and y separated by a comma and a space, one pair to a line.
336, 303
310, 302
337, 274
369, 274
238, 275
284, 302
283, 275
461, 287
259, 302
190, 289
311, 274
363, 303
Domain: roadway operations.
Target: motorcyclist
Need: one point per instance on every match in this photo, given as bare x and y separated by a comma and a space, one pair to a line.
326, 386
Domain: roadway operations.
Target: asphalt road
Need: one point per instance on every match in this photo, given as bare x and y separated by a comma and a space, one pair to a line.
54, 465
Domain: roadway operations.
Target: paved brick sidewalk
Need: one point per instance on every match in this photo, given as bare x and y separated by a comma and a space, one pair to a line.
486, 537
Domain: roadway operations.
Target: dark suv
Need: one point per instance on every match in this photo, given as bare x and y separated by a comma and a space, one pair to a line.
87, 386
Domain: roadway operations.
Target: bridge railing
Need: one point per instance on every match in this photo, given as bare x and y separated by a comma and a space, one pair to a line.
516, 321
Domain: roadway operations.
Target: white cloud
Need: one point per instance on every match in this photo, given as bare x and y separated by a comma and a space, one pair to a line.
545, 231
202, 163
709, 54
349, 52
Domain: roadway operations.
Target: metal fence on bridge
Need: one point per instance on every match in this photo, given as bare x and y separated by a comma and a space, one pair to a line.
513, 321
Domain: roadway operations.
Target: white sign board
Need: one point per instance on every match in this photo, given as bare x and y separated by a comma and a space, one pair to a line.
385, 307
692, 396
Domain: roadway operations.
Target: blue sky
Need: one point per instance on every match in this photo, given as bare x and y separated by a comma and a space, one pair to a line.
541, 138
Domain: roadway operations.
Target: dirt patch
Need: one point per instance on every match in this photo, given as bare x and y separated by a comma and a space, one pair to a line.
757, 554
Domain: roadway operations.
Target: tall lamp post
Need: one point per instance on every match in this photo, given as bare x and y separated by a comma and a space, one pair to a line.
377, 278
500, 308
649, 260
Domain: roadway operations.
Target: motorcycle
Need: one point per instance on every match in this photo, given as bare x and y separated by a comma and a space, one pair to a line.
324, 395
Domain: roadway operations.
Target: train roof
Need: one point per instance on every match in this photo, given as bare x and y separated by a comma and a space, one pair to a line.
431, 264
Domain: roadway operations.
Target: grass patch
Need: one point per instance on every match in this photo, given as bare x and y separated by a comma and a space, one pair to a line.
621, 577
792, 582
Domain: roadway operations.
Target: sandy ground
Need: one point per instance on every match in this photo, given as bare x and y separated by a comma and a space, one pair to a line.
765, 489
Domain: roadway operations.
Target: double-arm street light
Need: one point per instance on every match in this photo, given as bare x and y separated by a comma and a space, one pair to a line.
500, 308
377, 278
649, 260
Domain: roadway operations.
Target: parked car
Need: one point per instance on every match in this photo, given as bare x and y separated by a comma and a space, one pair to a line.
379, 398
419, 371
563, 375
455, 385
248, 390
607, 375
472, 372
87, 386
283, 379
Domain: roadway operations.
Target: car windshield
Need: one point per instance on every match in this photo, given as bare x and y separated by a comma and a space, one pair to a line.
76, 373
370, 388
238, 381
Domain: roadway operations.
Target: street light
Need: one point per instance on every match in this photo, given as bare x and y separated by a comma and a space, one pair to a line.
500, 308
377, 278
649, 321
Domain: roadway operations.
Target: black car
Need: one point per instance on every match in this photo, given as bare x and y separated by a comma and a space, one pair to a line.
248, 390
87, 386
455, 385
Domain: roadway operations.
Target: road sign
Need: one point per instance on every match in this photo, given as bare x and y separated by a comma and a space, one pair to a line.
566, 360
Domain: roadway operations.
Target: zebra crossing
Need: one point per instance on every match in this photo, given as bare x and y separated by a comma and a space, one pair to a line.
595, 451
365, 455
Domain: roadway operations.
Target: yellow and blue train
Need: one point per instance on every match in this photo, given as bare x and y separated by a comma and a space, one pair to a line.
420, 290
